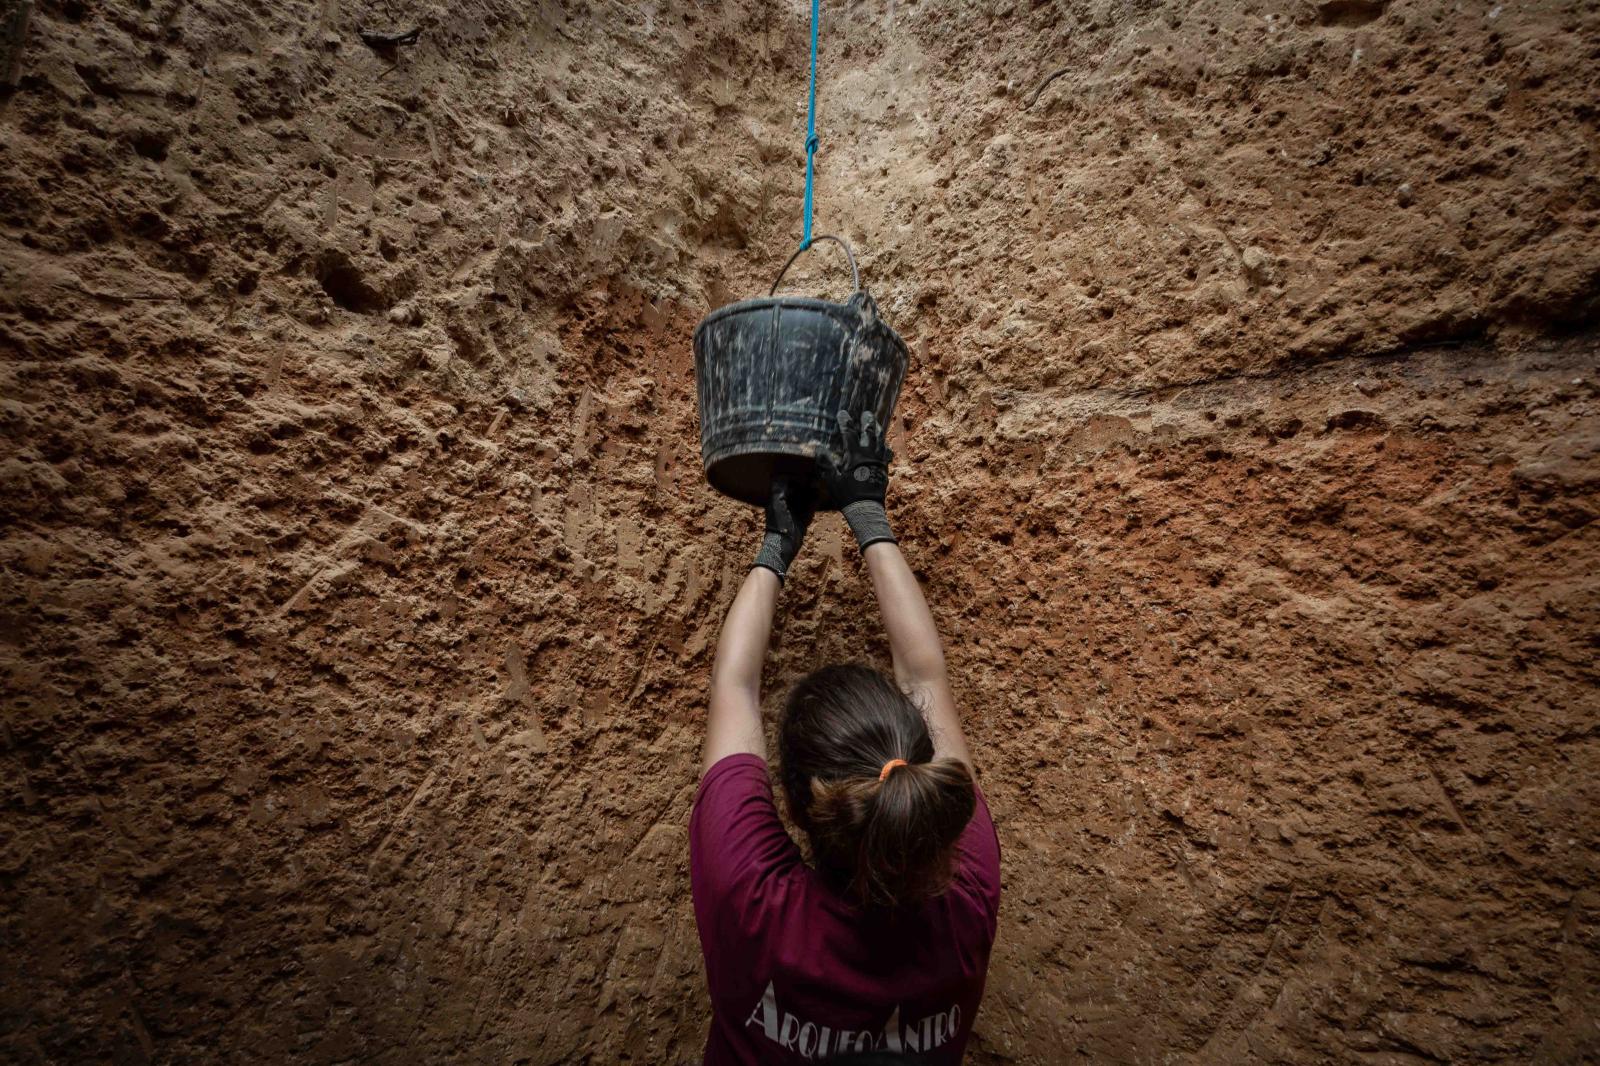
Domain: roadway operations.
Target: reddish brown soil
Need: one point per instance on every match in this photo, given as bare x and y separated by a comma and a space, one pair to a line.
361, 582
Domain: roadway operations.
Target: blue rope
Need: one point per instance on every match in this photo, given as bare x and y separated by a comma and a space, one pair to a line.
811, 124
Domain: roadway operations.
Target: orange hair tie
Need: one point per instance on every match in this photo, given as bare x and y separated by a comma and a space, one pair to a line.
883, 775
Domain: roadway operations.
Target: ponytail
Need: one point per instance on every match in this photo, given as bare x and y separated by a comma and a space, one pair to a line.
881, 814
896, 836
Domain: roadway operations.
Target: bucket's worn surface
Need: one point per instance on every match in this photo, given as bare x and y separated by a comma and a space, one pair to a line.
775, 374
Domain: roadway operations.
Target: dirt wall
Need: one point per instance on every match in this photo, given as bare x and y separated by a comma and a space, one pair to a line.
361, 582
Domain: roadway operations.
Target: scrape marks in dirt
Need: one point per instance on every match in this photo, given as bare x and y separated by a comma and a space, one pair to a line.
518, 693
333, 572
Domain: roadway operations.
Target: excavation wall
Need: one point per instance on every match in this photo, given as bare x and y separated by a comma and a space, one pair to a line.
361, 583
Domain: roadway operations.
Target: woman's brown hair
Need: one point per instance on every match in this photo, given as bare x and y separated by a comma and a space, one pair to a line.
887, 842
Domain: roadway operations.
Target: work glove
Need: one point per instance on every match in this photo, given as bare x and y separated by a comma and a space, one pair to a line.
858, 480
789, 511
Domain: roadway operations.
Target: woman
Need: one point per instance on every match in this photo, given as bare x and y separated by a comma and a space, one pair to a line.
881, 943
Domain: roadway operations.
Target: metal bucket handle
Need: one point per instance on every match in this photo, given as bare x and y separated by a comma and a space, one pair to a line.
855, 275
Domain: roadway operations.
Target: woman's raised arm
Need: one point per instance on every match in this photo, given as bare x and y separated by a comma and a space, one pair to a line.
859, 485
914, 644
733, 720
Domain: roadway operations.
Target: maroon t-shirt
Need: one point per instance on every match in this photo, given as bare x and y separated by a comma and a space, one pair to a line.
799, 973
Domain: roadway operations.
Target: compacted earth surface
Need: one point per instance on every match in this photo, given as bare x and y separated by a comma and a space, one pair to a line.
361, 580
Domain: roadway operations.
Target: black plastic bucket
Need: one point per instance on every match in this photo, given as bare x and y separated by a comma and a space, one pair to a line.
774, 376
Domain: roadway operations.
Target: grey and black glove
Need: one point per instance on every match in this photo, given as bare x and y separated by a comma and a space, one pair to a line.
789, 511
858, 482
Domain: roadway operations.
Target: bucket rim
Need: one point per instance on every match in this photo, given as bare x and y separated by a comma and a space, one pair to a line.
756, 303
